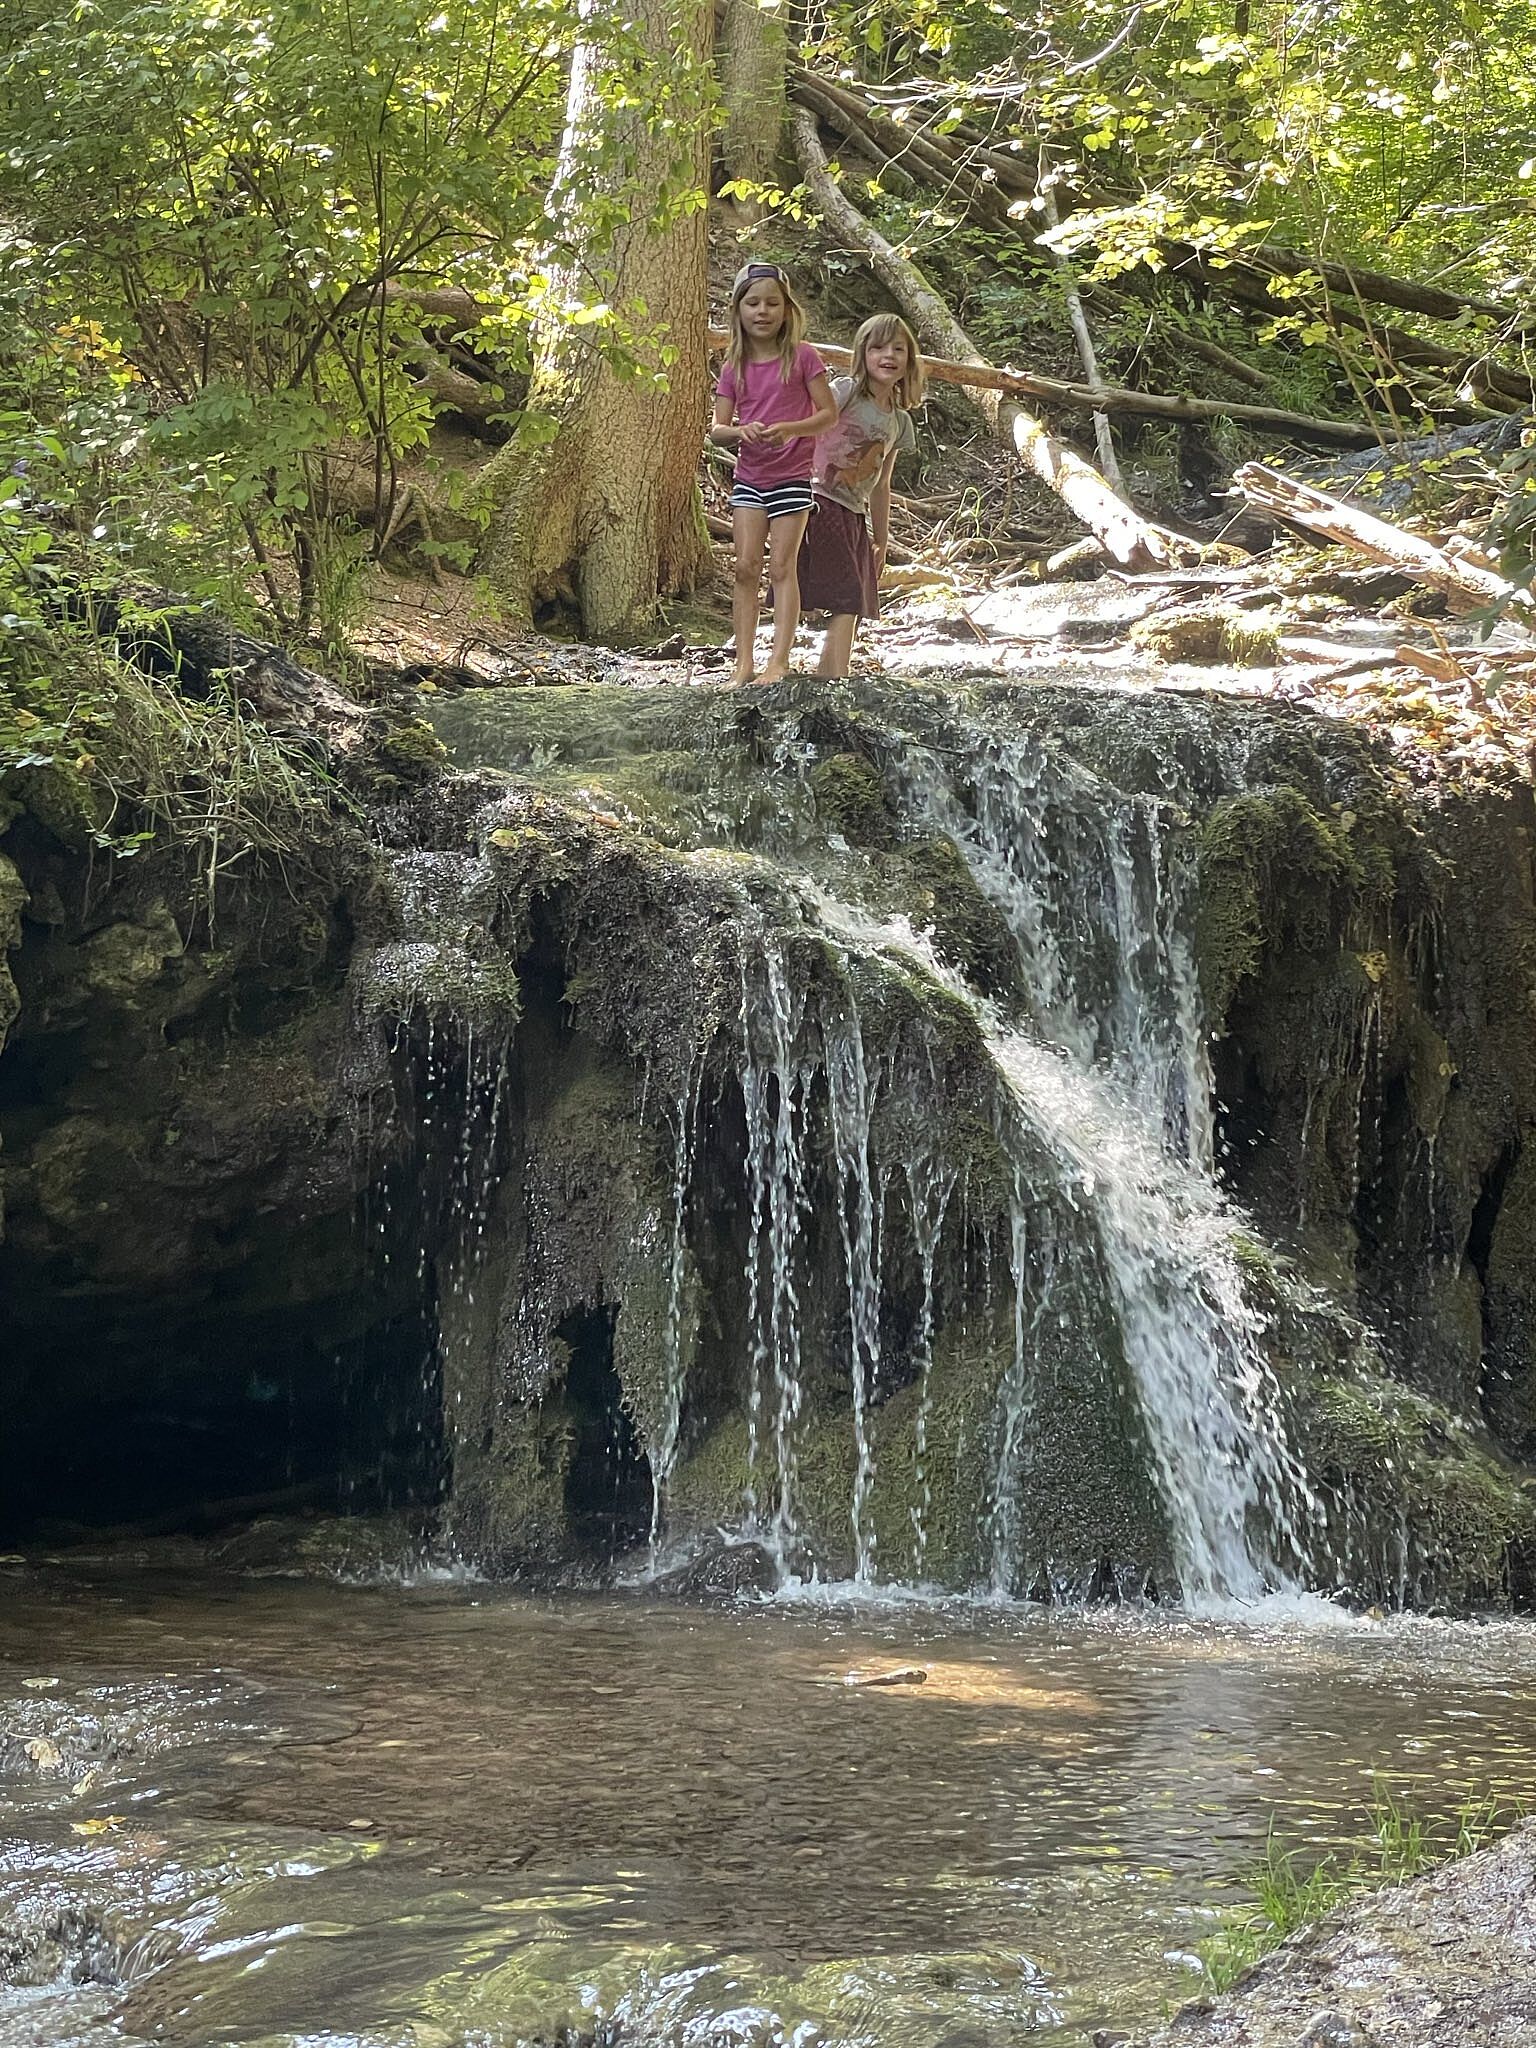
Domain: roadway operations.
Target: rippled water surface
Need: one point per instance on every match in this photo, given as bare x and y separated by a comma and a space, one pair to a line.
267, 1810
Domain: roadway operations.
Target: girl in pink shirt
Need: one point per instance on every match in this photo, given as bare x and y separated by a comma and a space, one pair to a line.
772, 400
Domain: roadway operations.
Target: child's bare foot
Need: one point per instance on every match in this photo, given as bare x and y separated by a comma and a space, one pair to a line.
774, 673
743, 675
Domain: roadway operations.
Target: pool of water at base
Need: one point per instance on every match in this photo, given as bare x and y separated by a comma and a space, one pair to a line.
277, 1811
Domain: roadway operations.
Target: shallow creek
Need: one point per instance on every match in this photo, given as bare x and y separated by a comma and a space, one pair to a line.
266, 1810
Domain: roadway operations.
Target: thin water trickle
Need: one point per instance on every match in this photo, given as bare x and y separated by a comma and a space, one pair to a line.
929, 1187
850, 1106
663, 1449
775, 1077
1014, 1404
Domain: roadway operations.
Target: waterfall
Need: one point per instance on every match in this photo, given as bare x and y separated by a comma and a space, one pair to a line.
891, 1229
775, 1078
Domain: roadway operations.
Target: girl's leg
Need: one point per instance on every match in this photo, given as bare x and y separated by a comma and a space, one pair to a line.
749, 526
784, 537
837, 648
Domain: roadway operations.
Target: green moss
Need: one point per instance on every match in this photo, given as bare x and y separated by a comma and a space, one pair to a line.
969, 931
851, 798
1430, 1070
1210, 633
709, 1487
1275, 870
1416, 1473
571, 725
512, 1504
408, 753
446, 980
61, 799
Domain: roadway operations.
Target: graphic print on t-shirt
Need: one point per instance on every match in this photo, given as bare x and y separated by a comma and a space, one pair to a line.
851, 454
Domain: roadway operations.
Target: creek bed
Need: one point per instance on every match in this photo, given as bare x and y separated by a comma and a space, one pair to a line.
452, 1815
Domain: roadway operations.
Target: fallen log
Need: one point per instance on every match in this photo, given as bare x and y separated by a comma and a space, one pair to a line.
893, 175
1468, 585
1128, 538
455, 390
908, 148
453, 303
984, 376
1087, 354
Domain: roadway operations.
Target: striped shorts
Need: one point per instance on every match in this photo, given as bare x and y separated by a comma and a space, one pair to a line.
778, 501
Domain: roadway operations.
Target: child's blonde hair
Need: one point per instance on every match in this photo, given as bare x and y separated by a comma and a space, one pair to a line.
791, 334
913, 381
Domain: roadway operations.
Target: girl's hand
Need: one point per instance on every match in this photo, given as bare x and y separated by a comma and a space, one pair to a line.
781, 432
753, 432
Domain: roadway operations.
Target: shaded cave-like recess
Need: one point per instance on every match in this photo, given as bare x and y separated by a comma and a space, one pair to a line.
158, 1414
608, 1479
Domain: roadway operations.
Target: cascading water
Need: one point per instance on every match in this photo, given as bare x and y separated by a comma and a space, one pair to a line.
838, 1270
775, 1079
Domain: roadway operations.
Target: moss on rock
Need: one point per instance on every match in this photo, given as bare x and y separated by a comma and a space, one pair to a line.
1417, 1493
969, 931
1276, 871
1210, 633
851, 798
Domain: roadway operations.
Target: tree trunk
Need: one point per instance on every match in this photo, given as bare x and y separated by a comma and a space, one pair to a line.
1128, 538
1087, 354
608, 511
751, 65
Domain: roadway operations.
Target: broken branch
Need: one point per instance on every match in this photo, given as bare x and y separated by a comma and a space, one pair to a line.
1468, 585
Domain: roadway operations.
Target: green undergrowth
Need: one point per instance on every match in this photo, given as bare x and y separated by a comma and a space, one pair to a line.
104, 756
1289, 1893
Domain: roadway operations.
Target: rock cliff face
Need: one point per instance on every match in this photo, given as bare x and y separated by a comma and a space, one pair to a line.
793, 1113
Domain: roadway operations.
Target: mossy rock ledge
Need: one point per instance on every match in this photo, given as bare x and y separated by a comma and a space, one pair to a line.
603, 1138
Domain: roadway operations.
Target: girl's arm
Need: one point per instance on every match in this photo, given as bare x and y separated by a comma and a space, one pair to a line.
723, 431
880, 511
823, 417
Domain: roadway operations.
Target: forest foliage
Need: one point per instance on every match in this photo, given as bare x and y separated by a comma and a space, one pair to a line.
216, 217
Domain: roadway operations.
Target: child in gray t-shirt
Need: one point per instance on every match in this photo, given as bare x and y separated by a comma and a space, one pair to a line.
840, 556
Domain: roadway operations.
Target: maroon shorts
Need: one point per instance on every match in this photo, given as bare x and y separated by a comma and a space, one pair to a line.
837, 563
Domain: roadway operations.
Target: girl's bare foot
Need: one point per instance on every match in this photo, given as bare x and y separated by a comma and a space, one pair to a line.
743, 675
772, 674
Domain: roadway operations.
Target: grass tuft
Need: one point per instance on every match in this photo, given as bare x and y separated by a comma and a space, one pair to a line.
1289, 1895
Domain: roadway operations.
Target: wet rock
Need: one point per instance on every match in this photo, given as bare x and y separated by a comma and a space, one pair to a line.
1332, 2030
725, 1571
70, 1944
1448, 1961
905, 1674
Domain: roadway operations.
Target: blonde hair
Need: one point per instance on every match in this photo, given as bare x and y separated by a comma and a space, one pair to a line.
913, 381
791, 334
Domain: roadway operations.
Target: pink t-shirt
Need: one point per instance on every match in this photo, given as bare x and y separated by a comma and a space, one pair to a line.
765, 394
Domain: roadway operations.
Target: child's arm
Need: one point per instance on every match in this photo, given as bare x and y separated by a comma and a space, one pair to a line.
880, 511
823, 417
725, 432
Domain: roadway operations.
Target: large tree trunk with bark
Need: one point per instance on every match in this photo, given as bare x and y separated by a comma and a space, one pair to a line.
607, 511
751, 64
